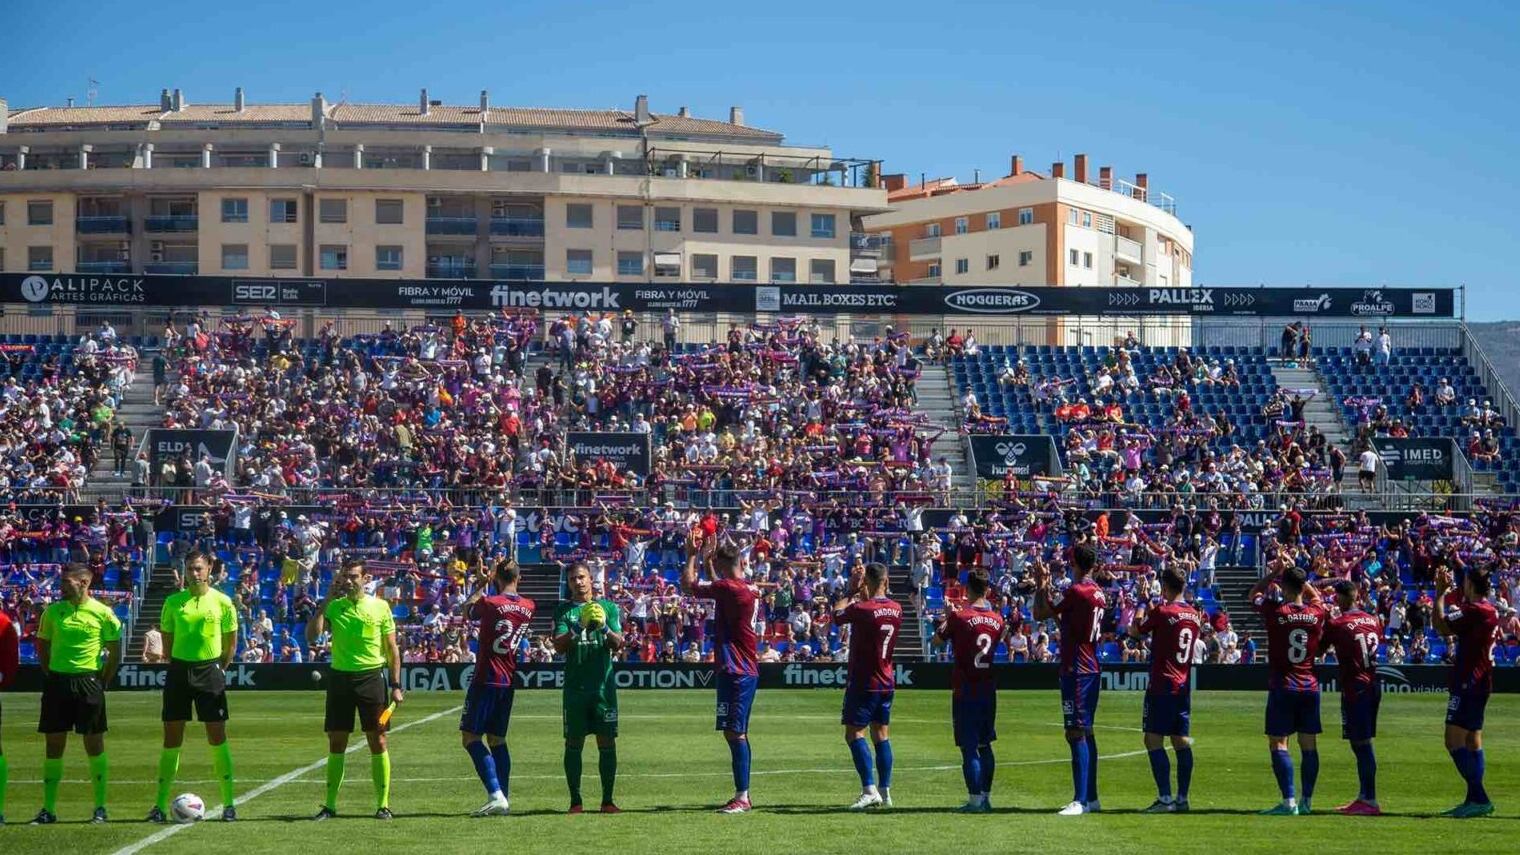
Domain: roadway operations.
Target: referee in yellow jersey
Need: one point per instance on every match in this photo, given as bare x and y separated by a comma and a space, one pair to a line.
70, 638
364, 653
200, 633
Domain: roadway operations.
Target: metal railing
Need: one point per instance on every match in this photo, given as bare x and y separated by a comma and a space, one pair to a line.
451, 270
102, 225
517, 272
103, 267
517, 226
176, 268
174, 223
1473, 352
451, 225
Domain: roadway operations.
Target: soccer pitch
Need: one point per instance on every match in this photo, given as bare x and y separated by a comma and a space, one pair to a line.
674, 770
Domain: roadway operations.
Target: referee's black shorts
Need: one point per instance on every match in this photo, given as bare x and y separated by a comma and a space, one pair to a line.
74, 702
349, 692
200, 685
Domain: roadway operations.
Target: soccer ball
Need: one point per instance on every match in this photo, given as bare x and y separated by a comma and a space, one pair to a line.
593, 615
188, 808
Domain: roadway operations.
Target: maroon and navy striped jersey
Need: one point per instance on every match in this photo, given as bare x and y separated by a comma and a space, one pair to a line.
1293, 640
739, 610
1174, 629
501, 622
1476, 626
874, 627
1080, 611
1355, 635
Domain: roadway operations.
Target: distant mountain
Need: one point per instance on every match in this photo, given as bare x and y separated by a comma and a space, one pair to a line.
1501, 341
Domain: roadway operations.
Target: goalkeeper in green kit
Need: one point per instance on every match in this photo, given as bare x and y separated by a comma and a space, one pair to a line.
589, 632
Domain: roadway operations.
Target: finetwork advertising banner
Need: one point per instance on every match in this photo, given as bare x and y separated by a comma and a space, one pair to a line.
1398, 679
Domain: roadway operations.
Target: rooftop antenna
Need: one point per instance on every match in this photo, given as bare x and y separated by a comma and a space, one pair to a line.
91, 93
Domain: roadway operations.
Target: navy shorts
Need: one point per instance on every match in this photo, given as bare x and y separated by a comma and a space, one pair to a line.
975, 720
862, 708
1359, 715
1079, 700
1464, 708
1292, 712
736, 694
487, 709
1167, 715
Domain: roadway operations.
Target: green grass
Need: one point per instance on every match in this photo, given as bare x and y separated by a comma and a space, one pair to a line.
674, 770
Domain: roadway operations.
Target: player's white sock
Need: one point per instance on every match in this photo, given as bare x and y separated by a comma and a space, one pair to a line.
870, 790
496, 796
742, 795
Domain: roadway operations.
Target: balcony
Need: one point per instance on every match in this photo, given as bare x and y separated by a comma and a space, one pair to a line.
450, 270
867, 245
1122, 280
517, 272
1128, 250
924, 248
172, 268
174, 223
103, 267
517, 227
451, 225
110, 225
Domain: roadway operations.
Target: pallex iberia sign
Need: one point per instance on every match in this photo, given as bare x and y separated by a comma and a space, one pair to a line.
484, 295
1397, 679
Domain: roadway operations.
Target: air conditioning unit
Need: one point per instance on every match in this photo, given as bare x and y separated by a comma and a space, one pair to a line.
305, 158
752, 170
671, 172
158, 247
124, 245
156, 256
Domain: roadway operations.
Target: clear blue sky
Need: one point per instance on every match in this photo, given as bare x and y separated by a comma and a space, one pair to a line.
1369, 143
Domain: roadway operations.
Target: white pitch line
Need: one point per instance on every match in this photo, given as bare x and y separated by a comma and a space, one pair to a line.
721, 774
275, 783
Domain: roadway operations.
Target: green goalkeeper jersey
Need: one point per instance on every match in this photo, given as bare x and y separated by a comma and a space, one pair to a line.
588, 662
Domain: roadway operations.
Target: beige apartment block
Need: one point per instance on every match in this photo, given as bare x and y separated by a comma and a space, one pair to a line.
426, 190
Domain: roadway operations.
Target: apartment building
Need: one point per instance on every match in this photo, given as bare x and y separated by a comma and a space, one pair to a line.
426, 190
1029, 228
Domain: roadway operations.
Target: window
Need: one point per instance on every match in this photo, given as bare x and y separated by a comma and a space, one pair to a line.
332, 210
234, 211
1075, 258
631, 218
1025, 256
1026, 216
282, 211
667, 219
960, 226
578, 262
1086, 220
2, 213
667, 264
577, 216
783, 224
994, 220
282, 256
334, 257
963, 265
821, 271
40, 214
704, 265
934, 271
2, 259
1087, 260
387, 257
630, 263
783, 270
704, 220
39, 258
388, 212
823, 225
931, 230
746, 222
234, 256
993, 262
1072, 216
744, 267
